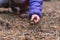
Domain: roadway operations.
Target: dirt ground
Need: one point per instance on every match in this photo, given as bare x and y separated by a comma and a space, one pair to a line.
12, 27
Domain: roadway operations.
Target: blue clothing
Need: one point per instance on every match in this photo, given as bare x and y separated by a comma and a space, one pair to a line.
35, 7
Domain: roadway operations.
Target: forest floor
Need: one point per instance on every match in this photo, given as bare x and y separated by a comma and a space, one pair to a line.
12, 27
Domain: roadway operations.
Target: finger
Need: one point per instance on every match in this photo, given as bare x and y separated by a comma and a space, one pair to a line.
32, 18
37, 20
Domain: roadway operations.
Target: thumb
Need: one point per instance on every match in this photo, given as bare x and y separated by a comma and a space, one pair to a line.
32, 18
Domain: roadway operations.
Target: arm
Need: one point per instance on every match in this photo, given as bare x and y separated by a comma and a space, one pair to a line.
35, 7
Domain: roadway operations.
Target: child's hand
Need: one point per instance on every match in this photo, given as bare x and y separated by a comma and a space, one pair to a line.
35, 19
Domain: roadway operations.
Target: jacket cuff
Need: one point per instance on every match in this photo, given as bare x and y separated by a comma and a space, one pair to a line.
30, 15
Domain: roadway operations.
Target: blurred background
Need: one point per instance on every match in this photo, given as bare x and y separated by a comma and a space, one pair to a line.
12, 27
